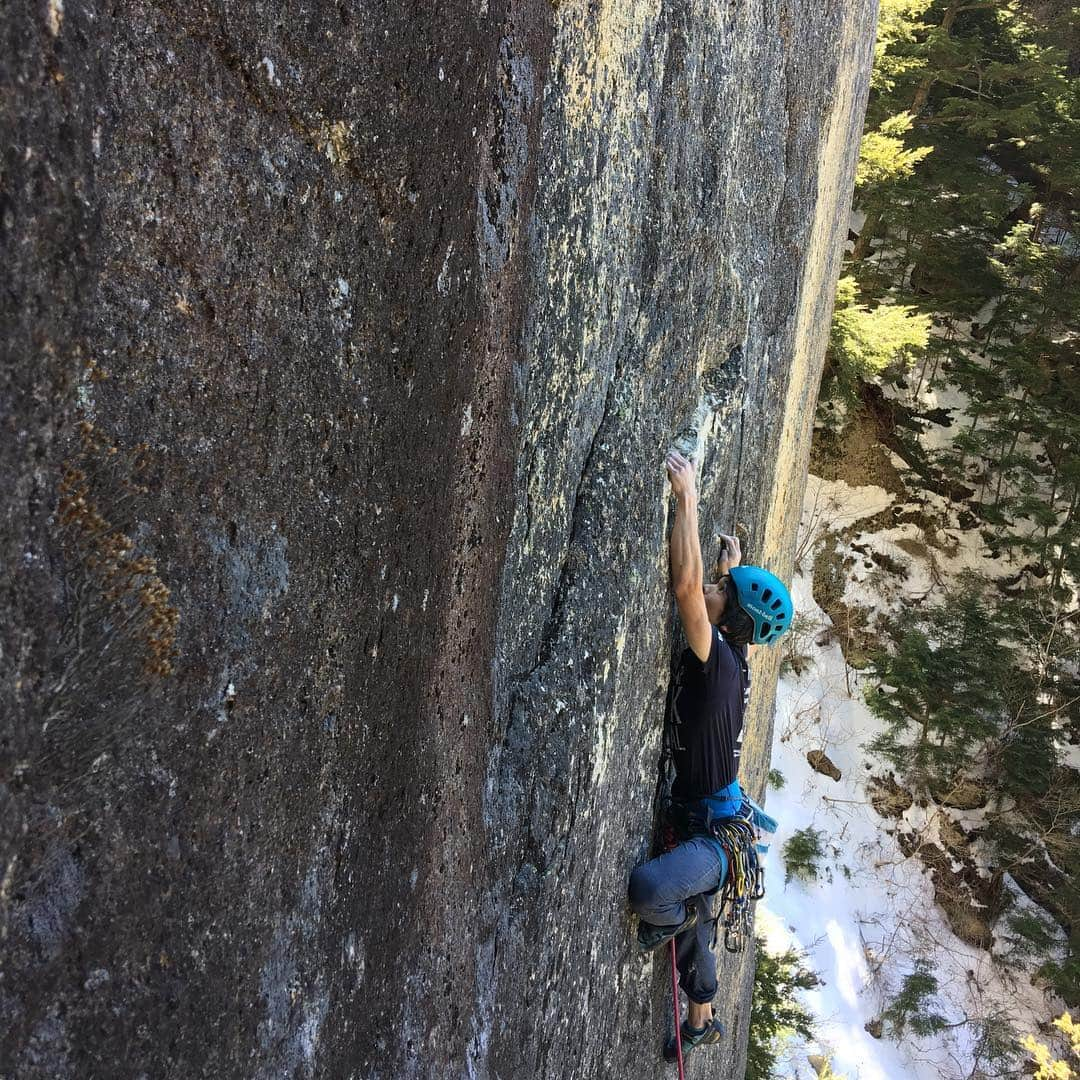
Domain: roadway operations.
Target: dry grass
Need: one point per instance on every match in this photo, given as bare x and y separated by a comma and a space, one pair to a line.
887, 797
851, 623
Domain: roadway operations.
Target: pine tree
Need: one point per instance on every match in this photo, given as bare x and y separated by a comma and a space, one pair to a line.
942, 692
883, 157
969, 180
978, 78
913, 1007
865, 340
1047, 1067
1024, 424
774, 1009
895, 55
968, 233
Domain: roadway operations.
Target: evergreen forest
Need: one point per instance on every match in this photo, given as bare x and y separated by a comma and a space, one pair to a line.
958, 308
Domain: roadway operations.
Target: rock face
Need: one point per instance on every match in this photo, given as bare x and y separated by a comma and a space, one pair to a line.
341, 348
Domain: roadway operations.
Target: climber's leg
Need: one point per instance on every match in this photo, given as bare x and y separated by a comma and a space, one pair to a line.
697, 977
697, 965
660, 888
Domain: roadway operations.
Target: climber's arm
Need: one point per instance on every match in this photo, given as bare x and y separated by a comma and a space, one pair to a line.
687, 575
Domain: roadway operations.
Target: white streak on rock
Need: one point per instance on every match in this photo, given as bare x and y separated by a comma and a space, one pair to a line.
55, 16
271, 77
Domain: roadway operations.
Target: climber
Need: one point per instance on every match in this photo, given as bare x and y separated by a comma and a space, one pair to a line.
748, 606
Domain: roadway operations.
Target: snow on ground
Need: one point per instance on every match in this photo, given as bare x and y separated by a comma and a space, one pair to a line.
937, 395
871, 912
925, 397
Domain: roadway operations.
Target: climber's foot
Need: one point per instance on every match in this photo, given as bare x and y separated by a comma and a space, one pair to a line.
713, 1032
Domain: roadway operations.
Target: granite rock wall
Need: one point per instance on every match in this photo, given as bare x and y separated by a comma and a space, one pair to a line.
341, 346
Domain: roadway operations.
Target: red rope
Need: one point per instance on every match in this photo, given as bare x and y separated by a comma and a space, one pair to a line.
675, 999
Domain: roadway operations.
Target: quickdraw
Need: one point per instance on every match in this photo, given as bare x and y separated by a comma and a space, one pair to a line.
745, 880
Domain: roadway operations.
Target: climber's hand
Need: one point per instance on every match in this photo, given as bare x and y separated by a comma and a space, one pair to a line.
681, 474
730, 552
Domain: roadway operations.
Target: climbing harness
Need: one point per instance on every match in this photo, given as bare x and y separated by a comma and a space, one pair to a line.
745, 839
675, 1001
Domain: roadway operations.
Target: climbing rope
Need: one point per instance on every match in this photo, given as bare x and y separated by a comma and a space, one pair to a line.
675, 1000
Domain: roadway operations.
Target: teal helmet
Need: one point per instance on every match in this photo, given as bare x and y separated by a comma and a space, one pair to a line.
765, 598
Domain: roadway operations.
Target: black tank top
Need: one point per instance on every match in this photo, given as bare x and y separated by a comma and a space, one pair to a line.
708, 702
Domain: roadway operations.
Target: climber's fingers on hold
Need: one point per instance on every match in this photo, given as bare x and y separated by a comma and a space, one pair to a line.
677, 464
680, 473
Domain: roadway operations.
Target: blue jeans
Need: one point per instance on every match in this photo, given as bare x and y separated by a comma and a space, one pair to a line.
659, 892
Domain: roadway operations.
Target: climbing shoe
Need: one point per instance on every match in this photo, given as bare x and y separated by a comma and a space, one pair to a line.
650, 936
712, 1034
